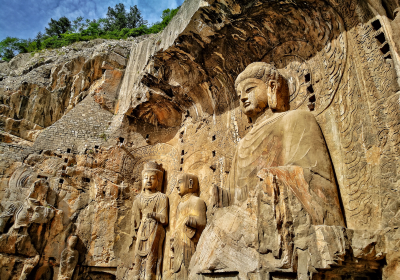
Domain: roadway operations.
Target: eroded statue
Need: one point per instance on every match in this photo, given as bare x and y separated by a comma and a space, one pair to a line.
34, 209
69, 259
150, 216
190, 221
29, 265
287, 152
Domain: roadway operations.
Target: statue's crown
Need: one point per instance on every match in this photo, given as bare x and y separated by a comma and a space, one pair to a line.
153, 166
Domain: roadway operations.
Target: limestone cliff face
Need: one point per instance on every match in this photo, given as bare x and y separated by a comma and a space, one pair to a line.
38, 89
85, 119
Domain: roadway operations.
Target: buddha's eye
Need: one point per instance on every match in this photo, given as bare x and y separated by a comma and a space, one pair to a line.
249, 89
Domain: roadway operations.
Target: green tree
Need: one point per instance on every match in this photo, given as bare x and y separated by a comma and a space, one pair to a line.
38, 39
58, 27
8, 48
134, 18
118, 19
78, 24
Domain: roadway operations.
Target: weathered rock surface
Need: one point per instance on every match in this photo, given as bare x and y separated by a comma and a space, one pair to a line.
86, 118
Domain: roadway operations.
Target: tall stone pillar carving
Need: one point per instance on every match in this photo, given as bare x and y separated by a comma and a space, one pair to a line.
150, 215
190, 221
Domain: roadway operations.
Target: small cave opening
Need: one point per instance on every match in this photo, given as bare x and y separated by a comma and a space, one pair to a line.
85, 180
376, 24
381, 38
307, 78
385, 49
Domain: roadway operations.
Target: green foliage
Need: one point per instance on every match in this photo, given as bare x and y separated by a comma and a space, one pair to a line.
118, 19
58, 27
10, 46
119, 24
103, 136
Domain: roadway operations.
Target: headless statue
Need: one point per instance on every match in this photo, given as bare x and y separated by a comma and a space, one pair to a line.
150, 210
69, 259
190, 222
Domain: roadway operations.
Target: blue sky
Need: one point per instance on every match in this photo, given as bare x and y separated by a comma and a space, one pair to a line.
25, 18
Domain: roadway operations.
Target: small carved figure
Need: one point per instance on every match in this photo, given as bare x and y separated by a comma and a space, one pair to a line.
34, 209
190, 221
150, 215
46, 271
69, 259
29, 265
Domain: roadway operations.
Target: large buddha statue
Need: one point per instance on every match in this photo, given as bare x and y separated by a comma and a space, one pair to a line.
285, 149
150, 210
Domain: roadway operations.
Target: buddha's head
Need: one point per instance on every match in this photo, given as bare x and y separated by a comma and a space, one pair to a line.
152, 176
187, 183
72, 241
260, 87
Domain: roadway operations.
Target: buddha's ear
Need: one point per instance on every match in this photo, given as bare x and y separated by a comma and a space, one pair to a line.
190, 184
272, 94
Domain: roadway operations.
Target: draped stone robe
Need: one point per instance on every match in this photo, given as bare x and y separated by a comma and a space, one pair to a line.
289, 139
186, 237
150, 233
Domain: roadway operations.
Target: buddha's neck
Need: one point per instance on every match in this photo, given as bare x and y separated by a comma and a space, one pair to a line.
266, 114
186, 197
148, 191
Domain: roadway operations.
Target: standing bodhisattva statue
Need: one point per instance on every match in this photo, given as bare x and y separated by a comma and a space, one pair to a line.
191, 219
150, 210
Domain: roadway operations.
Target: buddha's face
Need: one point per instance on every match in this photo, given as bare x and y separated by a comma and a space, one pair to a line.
253, 95
150, 180
183, 187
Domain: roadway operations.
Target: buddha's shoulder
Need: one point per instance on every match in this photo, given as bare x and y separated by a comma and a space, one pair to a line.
162, 195
299, 117
196, 199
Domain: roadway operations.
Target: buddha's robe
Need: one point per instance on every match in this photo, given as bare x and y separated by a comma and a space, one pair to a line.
289, 139
150, 234
187, 237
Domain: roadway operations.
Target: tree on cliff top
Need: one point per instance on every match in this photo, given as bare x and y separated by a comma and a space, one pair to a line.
118, 19
58, 27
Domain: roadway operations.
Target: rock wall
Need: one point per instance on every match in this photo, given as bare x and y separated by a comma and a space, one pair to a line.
85, 119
